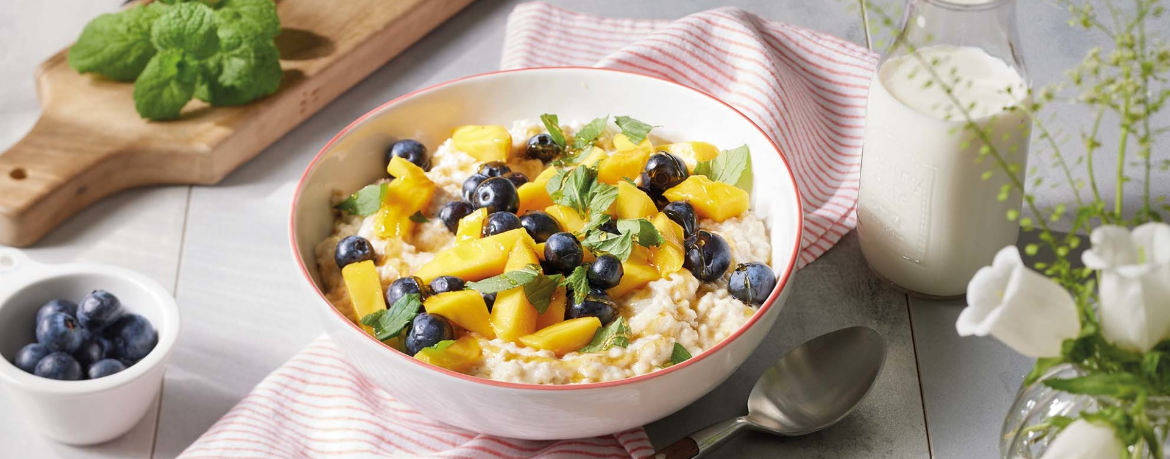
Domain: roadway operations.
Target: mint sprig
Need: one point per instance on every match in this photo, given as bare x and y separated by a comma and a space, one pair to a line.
365, 201
633, 129
679, 354
620, 245
731, 166
507, 281
578, 282
389, 323
617, 333
540, 291
552, 125
589, 133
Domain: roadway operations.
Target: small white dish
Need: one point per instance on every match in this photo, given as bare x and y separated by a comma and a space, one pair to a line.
90, 411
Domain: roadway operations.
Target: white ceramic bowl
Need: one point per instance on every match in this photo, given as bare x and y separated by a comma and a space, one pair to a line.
354, 158
91, 411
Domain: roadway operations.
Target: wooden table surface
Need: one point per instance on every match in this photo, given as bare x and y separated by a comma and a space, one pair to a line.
223, 252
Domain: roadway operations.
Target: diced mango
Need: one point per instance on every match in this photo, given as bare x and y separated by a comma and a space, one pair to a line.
512, 315
691, 152
715, 200
632, 202
365, 289
595, 156
569, 219
399, 167
464, 308
533, 195
520, 257
623, 143
670, 231
475, 260
668, 256
471, 226
410, 192
564, 337
638, 271
459, 356
556, 309
623, 164
485, 143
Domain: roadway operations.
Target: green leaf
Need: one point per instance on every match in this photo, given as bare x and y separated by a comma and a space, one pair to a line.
1042, 366
365, 201
679, 354
1119, 385
540, 291
189, 27
165, 85
578, 282
241, 75
589, 133
443, 344
506, 281
635, 130
573, 189
257, 17
554, 128
644, 232
618, 245
418, 217
390, 322
117, 45
601, 196
614, 334
731, 166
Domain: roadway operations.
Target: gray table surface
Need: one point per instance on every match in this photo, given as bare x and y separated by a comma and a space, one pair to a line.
221, 250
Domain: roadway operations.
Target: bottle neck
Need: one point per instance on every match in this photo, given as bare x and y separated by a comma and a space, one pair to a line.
989, 25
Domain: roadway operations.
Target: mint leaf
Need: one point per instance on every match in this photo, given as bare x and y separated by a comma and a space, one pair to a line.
644, 231
540, 291
635, 130
365, 201
443, 344
618, 245
572, 188
589, 133
614, 334
117, 45
1119, 385
186, 26
390, 322
595, 221
731, 166
578, 283
679, 354
506, 281
241, 75
418, 217
554, 128
601, 196
258, 17
165, 85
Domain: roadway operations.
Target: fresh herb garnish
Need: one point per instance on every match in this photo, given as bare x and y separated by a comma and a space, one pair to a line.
731, 166
388, 323
644, 232
418, 217
633, 129
506, 281
621, 245
679, 354
540, 291
446, 344
579, 189
578, 282
589, 133
554, 128
614, 334
365, 201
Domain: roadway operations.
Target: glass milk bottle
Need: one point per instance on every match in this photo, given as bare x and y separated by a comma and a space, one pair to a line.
928, 214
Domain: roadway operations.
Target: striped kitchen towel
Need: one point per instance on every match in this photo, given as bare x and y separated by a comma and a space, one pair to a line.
806, 90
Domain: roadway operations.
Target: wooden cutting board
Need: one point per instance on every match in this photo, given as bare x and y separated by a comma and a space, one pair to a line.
90, 142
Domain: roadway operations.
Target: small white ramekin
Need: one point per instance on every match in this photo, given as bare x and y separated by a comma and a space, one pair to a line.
91, 411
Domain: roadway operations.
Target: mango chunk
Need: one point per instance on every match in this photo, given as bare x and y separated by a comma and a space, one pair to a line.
564, 337
623, 143
464, 308
715, 200
569, 219
595, 156
639, 271
513, 316
471, 226
668, 256
556, 309
533, 195
399, 167
632, 202
459, 356
520, 257
475, 260
623, 164
485, 143
365, 289
692, 153
410, 192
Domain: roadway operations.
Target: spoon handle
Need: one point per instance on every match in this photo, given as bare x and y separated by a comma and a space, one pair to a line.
704, 441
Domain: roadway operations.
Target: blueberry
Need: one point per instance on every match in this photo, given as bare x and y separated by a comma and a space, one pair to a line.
493, 169
444, 284
500, 222
28, 356
470, 185
91, 351
403, 286
410, 150
353, 249
65, 306
594, 305
605, 272
751, 283
517, 178
663, 171
489, 299
563, 252
541, 146
707, 255
496, 194
683, 213
132, 337
60, 332
427, 330
98, 310
60, 366
539, 225
103, 368
454, 211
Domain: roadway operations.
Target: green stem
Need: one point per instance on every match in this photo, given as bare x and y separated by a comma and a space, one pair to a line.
1090, 147
1117, 199
1047, 136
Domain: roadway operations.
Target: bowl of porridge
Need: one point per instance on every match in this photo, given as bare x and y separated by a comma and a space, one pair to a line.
548, 253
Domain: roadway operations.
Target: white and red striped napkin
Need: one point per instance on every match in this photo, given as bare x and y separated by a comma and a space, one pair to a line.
805, 89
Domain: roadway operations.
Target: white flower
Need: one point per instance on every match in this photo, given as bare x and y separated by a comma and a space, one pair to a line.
1135, 283
1085, 440
1023, 308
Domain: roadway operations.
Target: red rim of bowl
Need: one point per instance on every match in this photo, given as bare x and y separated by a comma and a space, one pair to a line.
781, 283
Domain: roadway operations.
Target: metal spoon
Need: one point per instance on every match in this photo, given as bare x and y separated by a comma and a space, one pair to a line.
808, 389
